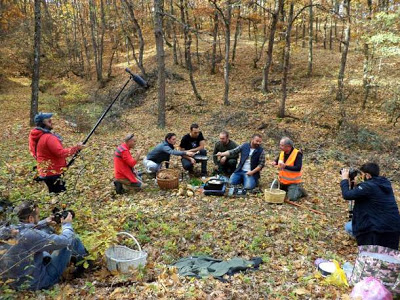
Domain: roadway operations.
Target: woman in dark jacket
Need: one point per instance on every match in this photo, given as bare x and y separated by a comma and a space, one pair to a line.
376, 219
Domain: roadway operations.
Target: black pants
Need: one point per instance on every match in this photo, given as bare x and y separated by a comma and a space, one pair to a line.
228, 168
55, 184
187, 165
385, 239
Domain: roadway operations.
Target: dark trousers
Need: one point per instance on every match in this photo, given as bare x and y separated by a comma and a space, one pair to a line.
228, 168
385, 239
55, 184
187, 165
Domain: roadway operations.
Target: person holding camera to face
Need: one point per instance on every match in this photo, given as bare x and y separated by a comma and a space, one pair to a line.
26, 262
376, 219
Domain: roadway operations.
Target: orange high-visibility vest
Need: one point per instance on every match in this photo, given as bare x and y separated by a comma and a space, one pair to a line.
287, 176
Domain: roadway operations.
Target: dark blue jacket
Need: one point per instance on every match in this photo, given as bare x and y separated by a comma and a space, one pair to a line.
255, 158
375, 208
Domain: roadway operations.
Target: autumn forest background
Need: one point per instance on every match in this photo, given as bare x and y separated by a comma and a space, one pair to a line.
325, 73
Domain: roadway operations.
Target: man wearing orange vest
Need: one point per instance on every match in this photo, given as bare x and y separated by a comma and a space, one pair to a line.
289, 164
125, 175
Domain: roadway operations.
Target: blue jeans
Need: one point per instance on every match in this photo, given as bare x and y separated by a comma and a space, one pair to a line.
249, 182
349, 228
59, 262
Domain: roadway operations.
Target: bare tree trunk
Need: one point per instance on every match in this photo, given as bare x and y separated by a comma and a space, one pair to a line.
286, 62
36, 64
341, 37
310, 40
96, 41
227, 21
303, 24
366, 74
188, 42
268, 62
138, 29
237, 31
330, 35
84, 40
214, 45
325, 33
174, 38
316, 29
346, 43
158, 32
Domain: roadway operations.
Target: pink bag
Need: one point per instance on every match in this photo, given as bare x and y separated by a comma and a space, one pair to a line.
370, 288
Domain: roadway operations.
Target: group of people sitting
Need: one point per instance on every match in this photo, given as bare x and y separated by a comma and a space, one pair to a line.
242, 163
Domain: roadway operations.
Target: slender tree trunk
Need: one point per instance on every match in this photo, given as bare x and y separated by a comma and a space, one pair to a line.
227, 50
36, 64
174, 38
316, 29
330, 35
325, 29
95, 43
310, 40
188, 42
158, 32
268, 62
366, 75
303, 24
286, 62
237, 31
341, 37
346, 44
214, 45
138, 29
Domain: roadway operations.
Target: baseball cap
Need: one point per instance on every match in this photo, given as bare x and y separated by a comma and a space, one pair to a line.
41, 116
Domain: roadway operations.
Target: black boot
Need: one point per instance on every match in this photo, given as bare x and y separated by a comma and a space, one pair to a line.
118, 187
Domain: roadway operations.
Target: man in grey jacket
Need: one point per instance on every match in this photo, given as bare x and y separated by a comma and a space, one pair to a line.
162, 152
25, 261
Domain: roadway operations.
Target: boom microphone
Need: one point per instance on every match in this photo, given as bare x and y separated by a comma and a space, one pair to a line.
139, 80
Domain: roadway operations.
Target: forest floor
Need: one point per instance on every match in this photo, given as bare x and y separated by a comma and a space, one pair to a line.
170, 227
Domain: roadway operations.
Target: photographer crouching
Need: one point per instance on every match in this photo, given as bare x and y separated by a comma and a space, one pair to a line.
26, 262
376, 219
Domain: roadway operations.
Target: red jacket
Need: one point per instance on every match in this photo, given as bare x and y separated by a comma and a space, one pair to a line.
124, 163
48, 151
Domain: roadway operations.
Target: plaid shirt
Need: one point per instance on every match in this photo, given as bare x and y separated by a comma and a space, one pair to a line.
261, 161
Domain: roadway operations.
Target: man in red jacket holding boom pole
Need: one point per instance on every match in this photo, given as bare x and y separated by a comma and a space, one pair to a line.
47, 149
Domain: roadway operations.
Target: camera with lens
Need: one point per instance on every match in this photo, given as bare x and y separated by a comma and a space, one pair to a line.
353, 172
59, 214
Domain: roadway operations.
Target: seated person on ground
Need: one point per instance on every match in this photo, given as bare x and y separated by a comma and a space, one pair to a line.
194, 142
252, 161
289, 164
28, 264
225, 164
162, 152
126, 177
376, 219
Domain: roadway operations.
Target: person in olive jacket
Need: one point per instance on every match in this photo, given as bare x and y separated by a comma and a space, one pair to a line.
376, 219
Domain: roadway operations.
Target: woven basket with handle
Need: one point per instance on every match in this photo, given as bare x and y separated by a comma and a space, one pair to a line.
273, 195
123, 259
167, 179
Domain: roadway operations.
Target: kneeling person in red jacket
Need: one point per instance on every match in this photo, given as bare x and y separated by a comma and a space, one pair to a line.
46, 147
126, 177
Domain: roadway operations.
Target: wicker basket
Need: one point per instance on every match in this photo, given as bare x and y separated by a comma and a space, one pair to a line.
272, 195
122, 259
168, 183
